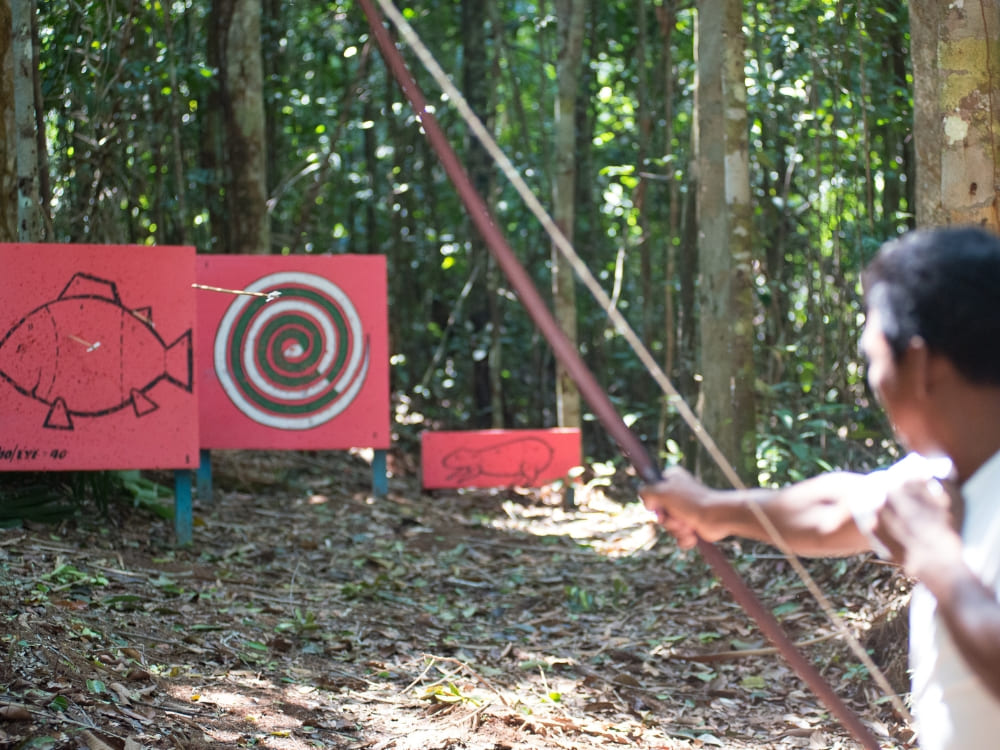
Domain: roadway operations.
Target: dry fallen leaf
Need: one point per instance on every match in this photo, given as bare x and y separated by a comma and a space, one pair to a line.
13, 712
319, 624
95, 743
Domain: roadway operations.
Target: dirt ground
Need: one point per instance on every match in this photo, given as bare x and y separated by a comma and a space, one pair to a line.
308, 614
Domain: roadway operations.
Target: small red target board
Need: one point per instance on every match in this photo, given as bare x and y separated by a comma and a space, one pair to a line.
96, 357
497, 458
298, 362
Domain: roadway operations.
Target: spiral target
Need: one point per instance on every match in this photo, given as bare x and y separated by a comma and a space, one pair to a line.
294, 362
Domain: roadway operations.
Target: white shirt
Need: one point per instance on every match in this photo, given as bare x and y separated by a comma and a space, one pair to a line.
952, 708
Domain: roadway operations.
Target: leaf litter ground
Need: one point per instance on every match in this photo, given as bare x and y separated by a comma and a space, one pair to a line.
309, 614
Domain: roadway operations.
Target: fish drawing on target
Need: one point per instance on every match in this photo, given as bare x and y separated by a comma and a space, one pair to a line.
85, 354
294, 362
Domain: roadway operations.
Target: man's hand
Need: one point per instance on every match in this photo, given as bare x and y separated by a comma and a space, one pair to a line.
682, 504
919, 524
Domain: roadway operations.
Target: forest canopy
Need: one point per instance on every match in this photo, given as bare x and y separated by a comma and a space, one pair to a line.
137, 147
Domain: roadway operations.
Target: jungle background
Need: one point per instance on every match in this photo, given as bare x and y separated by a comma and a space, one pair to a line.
268, 127
145, 141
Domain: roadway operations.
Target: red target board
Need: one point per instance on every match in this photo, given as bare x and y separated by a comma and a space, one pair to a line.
96, 357
497, 458
300, 361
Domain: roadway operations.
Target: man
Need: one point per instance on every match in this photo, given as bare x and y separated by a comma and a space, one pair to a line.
932, 341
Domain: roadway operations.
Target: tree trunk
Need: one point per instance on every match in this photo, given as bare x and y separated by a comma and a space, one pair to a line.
29, 211
181, 222
724, 233
475, 67
570, 17
494, 277
955, 49
8, 142
667, 18
242, 99
897, 195
644, 119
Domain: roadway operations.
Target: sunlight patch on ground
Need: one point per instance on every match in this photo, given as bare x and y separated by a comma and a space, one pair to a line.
303, 624
596, 521
253, 702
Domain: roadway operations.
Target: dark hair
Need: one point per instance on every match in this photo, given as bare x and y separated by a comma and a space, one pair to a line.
944, 286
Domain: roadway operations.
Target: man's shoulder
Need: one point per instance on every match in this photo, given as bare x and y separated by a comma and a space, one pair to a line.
918, 466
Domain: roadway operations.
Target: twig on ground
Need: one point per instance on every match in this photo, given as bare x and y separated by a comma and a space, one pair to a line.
746, 652
489, 685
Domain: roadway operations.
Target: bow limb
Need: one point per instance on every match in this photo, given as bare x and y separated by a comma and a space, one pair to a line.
590, 389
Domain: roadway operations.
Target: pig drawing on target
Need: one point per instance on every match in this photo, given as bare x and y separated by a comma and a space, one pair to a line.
519, 461
85, 354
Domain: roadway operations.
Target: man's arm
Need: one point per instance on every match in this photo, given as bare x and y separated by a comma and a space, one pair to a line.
813, 517
972, 615
918, 523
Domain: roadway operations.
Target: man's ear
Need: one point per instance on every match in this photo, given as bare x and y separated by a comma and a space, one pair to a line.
919, 367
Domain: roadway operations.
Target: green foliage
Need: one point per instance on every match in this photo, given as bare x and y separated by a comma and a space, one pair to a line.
32, 499
51, 497
135, 155
65, 575
303, 623
448, 693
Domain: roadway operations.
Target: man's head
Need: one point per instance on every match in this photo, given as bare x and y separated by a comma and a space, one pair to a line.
941, 286
931, 335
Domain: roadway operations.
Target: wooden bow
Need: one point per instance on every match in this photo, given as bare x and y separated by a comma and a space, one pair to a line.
587, 384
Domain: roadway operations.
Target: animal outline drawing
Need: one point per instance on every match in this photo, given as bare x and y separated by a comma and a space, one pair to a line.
519, 461
85, 354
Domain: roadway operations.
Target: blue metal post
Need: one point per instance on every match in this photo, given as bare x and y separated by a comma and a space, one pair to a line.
204, 476
380, 476
183, 517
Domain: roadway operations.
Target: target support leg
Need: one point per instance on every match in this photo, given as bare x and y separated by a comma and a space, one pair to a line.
204, 476
183, 521
380, 479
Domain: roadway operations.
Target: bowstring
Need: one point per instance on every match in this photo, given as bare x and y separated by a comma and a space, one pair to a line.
622, 326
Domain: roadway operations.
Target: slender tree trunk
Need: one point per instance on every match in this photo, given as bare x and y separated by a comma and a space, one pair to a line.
210, 145
645, 122
570, 17
955, 49
680, 258
494, 277
667, 17
176, 146
8, 141
242, 98
475, 68
687, 305
370, 141
41, 145
724, 233
29, 211
897, 196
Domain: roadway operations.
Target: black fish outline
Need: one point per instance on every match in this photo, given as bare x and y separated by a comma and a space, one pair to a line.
36, 362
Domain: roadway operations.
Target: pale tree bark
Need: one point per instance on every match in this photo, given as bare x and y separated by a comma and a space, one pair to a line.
8, 166
679, 253
241, 93
570, 18
493, 274
644, 118
30, 222
485, 350
724, 239
955, 49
